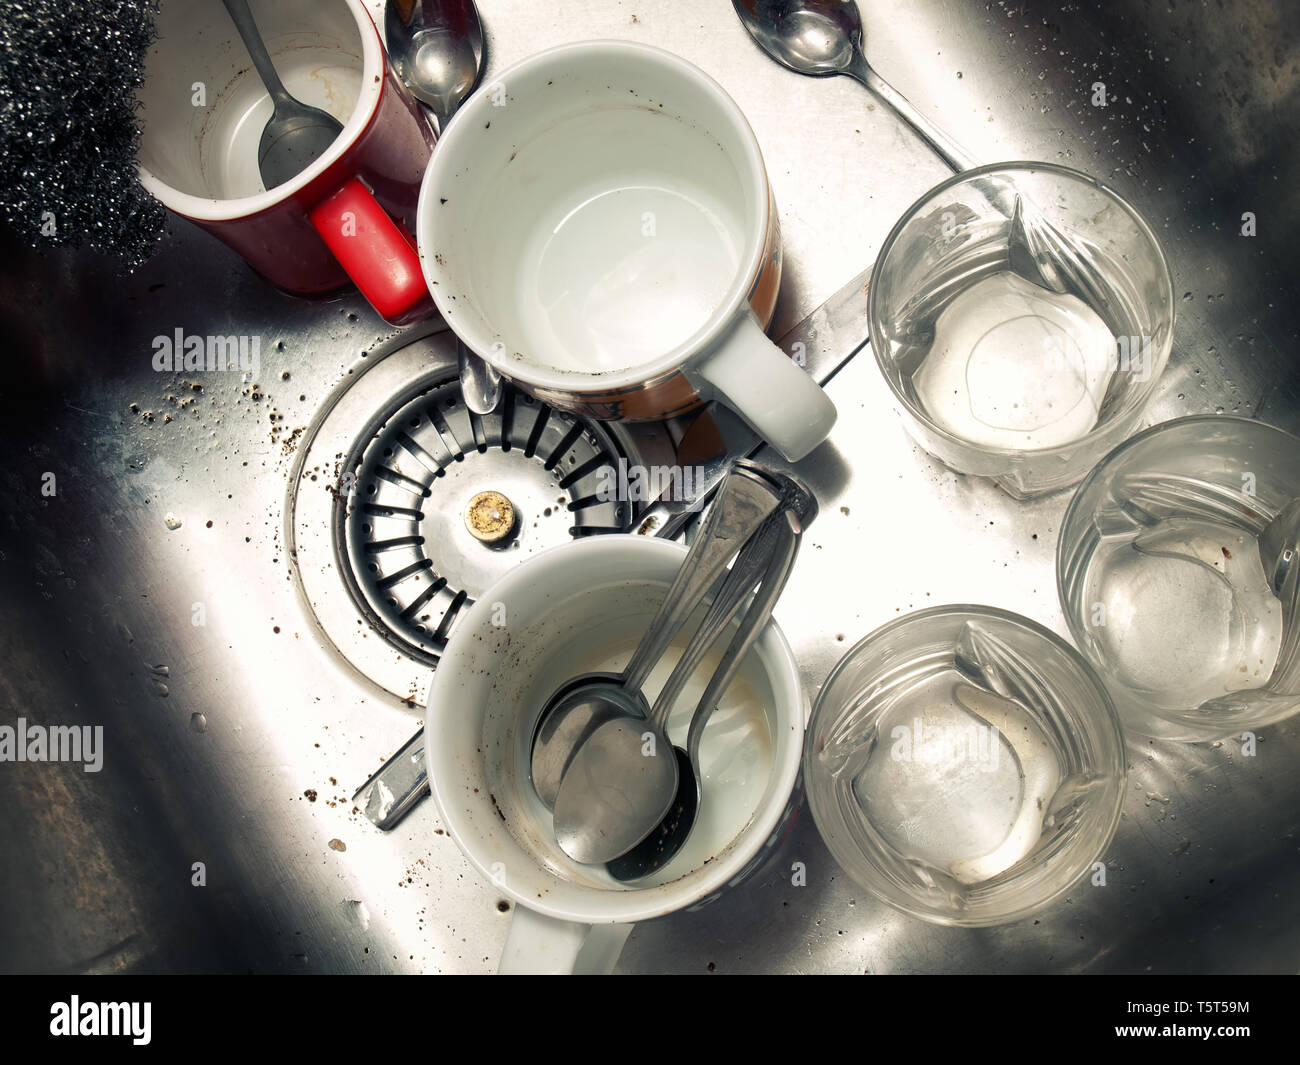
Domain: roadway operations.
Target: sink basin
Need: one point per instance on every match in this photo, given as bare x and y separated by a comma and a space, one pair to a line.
151, 586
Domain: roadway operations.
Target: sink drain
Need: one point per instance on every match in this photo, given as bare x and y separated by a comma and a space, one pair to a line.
418, 505
447, 501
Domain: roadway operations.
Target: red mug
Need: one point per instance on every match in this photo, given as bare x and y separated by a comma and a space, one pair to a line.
350, 214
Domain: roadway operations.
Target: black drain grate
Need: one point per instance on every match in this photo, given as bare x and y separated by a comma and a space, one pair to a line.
412, 560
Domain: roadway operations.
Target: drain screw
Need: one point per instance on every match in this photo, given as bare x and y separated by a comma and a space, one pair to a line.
491, 518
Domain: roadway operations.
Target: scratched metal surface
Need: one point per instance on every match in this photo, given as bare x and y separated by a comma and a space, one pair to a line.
98, 592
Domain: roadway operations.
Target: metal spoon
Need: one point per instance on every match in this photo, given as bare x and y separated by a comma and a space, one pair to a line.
437, 49
295, 135
626, 779
767, 560
574, 713
824, 37
623, 781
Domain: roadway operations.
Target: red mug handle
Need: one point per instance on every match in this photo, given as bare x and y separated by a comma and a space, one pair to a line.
378, 254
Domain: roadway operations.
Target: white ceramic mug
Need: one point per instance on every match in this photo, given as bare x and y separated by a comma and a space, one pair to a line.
597, 223
573, 608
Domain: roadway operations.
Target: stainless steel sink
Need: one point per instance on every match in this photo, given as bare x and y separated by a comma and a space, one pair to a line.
148, 587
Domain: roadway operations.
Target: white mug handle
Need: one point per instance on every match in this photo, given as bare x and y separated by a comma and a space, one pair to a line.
541, 945
773, 394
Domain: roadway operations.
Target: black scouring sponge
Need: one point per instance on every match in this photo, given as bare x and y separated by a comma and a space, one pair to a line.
68, 124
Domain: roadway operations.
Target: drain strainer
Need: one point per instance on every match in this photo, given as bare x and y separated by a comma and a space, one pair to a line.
447, 501
406, 506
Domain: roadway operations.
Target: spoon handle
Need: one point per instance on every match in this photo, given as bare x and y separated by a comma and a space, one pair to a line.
243, 20
748, 569
779, 560
743, 504
953, 154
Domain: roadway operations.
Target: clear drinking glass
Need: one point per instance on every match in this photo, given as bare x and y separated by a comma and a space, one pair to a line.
1176, 587
965, 765
1022, 314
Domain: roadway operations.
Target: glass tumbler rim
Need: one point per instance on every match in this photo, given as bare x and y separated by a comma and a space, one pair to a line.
1136, 440
961, 177
959, 609
1122, 448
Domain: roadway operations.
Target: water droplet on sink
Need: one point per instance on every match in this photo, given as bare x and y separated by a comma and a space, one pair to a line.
198, 722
